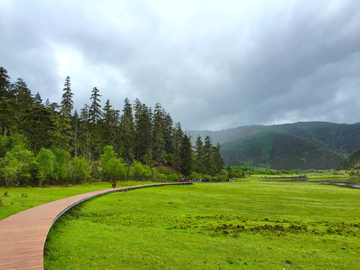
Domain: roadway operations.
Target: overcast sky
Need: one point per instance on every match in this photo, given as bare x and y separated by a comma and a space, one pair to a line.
212, 64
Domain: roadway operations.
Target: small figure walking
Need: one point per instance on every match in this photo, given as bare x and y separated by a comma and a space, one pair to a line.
114, 184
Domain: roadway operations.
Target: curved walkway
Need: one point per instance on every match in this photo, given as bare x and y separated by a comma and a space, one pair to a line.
23, 235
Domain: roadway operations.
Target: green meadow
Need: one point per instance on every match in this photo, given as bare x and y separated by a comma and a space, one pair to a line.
17, 199
253, 224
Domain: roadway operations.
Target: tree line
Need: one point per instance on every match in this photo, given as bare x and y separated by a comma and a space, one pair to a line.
49, 142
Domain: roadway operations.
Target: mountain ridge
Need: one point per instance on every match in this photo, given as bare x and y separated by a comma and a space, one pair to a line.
333, 143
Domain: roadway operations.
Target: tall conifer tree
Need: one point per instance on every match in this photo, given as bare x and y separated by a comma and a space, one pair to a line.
168, 130
143, 130
127, 133
67, 105
109, 124
186, 159
177, 141
4, 84
158, 134
85, 135
95, 112
200, 155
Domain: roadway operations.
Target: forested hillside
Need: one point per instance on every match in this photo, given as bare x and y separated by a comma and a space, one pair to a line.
49, 142
341, 138
308, 145
277, 150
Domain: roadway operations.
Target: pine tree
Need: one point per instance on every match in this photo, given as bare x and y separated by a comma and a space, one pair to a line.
67, 103
7, 104
168, 133
127, 133
200, 155
177, 140
143, 130
24, 98
76, 132
109, 124
38, 99
85, 135
4, 84
158, 135
95, 112
7, 119
186, 159
65, 127
218, 162
38, 126
208, 163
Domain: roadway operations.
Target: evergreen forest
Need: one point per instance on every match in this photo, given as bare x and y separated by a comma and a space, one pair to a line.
53, 144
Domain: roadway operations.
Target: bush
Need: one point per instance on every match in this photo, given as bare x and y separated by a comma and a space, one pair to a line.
161, 177
139, 171
79, 169
194, 175
165, 171
173, 177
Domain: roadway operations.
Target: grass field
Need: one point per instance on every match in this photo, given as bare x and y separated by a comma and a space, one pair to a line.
14, 200
252, 224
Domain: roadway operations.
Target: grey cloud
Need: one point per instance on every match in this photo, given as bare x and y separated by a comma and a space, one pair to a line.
210, 64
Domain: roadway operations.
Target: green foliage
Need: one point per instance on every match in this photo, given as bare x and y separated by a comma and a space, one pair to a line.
61, 165
79, 170
169, 159
46, 162
95, 112
224, 172
186, 161
16, 165
194, 175
139, 171
38, 126
127, 133
113, 168
77, 141
173, 177
158, 142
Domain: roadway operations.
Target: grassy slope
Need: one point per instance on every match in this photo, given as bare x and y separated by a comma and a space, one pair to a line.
242, 225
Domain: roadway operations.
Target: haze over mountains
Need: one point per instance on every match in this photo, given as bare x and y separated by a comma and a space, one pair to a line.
301, 145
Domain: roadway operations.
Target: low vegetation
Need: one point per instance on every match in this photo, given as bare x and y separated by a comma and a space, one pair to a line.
252, 224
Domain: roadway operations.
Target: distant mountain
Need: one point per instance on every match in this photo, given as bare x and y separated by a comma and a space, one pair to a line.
302, 145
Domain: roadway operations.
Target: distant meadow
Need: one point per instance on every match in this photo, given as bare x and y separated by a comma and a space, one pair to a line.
252, 224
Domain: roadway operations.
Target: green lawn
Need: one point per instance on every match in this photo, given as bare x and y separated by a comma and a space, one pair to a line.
19, 199
240, 225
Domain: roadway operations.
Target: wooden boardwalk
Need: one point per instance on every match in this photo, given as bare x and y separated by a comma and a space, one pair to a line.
23, 235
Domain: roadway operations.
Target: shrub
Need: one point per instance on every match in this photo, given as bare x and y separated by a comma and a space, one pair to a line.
173, 177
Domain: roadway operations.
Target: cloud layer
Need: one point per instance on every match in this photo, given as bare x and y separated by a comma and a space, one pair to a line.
211, 64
